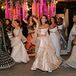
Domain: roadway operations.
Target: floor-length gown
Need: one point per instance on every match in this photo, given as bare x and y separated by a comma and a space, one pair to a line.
63, 41
46, 59
19, 53
72, 32
55, 38
5, 60
72, 59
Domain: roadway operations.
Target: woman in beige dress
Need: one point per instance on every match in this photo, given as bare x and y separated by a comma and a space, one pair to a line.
45, 59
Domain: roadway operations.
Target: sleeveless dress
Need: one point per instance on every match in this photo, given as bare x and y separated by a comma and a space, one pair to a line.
46, 59
55, 38
19, 53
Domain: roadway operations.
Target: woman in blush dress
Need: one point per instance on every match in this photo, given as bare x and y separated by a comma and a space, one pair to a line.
54, 36
45, 59
19, 53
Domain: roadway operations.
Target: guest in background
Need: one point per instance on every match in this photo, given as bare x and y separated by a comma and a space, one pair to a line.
71, 33
9, 28
5, 60
24, 29
19, 52
54, 35
30, 45
63, 42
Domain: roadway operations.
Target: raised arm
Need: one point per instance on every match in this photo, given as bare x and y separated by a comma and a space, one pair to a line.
37, 22
25, 21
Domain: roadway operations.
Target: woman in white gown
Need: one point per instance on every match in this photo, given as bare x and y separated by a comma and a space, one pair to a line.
73, 30
54, 36
19, 53
72, 59
46, 59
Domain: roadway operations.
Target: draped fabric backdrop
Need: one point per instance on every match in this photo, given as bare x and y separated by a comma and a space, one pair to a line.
39, 8
7, 10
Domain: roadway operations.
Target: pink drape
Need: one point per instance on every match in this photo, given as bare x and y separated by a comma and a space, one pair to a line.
24, 9
7, 11
18, 10
34, 5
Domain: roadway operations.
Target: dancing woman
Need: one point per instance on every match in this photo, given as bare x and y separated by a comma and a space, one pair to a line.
54, 36
19, 53
45, 59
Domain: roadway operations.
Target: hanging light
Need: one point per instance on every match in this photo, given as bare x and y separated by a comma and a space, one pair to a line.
56, 2
26, 3
2, 7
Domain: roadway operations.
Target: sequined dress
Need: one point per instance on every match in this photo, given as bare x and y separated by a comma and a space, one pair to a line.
5, 60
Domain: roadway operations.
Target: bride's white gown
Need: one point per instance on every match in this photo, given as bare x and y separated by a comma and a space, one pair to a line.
19, 53
46, 59
55, 38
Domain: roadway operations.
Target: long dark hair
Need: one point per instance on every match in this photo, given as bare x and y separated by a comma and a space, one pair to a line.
34, 23
18, 22
9, 21
1, 21
46, 19
28, 19
55, 20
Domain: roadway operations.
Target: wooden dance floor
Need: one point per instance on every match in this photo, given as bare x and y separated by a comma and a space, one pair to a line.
24, 70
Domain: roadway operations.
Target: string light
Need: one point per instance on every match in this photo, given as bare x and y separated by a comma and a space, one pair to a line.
2, 7
56, 1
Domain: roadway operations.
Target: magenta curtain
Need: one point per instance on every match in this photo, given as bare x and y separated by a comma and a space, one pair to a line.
18, 10
6, 10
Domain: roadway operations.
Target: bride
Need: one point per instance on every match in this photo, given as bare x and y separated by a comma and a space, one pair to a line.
46, 59
19, 53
